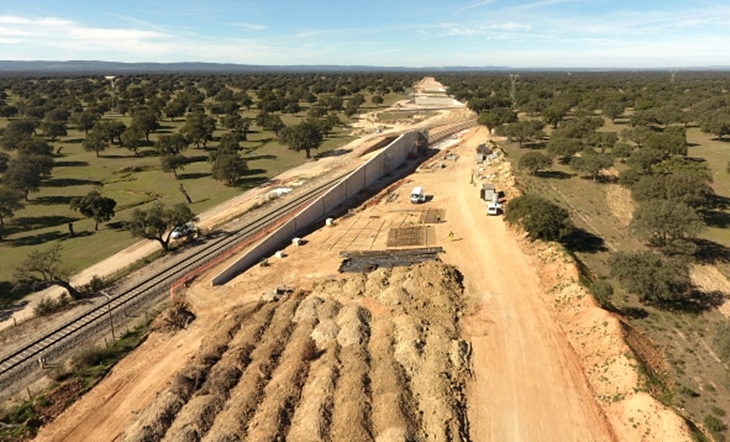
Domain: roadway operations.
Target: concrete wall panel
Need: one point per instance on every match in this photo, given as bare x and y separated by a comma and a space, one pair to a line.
379, 165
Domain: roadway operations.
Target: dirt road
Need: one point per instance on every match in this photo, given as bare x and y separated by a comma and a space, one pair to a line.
528, 384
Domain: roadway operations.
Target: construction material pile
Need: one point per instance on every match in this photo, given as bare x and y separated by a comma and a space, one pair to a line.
366, 357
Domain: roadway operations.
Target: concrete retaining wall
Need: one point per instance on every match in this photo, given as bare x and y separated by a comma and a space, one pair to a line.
383, 162
436, 101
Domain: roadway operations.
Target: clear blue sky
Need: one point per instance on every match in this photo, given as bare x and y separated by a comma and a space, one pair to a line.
517, 33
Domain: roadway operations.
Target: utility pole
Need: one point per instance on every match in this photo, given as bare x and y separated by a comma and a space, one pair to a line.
109, 309
673, 74
513, 92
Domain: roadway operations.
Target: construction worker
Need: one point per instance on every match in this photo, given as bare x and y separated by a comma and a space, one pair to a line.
451, 236
438, 218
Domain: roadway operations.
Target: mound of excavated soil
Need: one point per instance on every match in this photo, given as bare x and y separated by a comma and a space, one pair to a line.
318, 366
174, 318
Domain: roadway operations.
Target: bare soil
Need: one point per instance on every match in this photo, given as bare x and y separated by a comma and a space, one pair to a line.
496, 343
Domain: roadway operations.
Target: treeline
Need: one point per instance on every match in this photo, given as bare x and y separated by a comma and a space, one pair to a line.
215, 113
40, 111
561, 116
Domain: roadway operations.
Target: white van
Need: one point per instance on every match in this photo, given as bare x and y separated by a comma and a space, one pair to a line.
417, 195
494, 208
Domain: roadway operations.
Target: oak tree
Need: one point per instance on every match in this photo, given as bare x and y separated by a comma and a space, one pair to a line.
156, 222
95, 206
44, 268
229, 167
534, 161
304, 136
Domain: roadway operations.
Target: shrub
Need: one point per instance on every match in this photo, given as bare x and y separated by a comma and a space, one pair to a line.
688, 392
90, 356
714, 424
47, 306
602, 291
539, 217
722, 341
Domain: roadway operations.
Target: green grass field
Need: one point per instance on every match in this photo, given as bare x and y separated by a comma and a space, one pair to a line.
136, 182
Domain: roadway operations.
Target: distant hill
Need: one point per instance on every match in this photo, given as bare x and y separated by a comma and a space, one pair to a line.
112, 68
109, 68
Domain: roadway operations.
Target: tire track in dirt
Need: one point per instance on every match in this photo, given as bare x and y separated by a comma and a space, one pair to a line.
155, 420
232, 423
197, 416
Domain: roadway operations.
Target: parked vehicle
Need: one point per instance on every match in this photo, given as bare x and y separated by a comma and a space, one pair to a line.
186, 229
417, 195
488, 192
494, 209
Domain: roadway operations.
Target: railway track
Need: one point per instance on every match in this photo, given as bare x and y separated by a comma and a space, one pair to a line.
48, 344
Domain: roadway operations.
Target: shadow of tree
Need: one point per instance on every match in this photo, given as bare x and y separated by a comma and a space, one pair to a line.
695, 302
198, 159
115, 225
554, 174
8, 310
711, 252
9, 296
333, 153
117, 157
250, 182
606, 179
715, 218
70, 164
718, 202
68, 182
148, 153
53, 200
251, 157
583, 241
633, 312
192, 176
41, 238
256, 171
42, 222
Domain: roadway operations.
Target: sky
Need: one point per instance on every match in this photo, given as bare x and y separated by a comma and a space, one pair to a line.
409, 33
